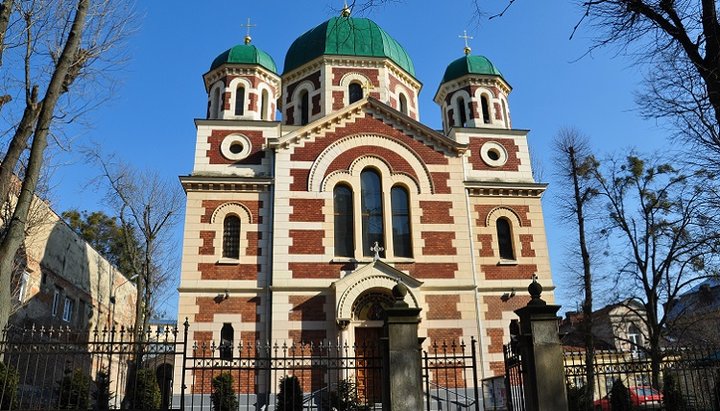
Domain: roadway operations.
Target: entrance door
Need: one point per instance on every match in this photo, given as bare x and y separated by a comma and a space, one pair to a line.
368, 356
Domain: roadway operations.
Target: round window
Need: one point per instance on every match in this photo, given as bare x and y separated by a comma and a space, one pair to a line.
235, 147
493, 154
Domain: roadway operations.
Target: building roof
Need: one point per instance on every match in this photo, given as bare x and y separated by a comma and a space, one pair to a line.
346, 36
470, 64
245, 54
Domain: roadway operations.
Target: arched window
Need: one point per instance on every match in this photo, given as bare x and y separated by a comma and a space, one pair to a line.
462, 115
505, 116
226, 341
215, 104
505, 243
304, 108
240, 101
371, 211
231, 237
400, 221
485, 109
355, 92
344, 228
403, 104
264, 105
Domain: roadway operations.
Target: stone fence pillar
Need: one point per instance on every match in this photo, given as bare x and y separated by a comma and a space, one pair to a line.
402, 371
542, 355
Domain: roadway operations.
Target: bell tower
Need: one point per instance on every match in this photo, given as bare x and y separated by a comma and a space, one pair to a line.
242, 84
473, 94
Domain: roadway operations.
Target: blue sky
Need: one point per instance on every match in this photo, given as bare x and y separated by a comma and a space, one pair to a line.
149, 119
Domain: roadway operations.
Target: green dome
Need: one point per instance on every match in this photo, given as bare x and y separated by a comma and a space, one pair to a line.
346, 36
470, 65
245, 54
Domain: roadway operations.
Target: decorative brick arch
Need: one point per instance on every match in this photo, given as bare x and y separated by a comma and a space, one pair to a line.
503, 211
231, 208
417, 172
377, 281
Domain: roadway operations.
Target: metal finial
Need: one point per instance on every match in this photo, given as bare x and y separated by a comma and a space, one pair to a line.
467, 48
376, 248
248, 39
345, 10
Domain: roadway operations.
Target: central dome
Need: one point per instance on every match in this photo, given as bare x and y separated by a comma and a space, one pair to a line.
346, 36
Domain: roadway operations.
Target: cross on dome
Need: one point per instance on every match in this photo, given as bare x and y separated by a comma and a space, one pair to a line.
345, 10
467, 48
248, 39
376, 249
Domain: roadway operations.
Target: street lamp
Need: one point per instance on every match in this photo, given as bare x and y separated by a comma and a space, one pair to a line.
111, 321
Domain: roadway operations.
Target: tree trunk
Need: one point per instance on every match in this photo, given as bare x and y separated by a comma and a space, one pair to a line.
16, 227
5, 11
587, 285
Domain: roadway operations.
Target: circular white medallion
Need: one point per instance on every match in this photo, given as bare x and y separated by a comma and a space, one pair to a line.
235, 147
493, 154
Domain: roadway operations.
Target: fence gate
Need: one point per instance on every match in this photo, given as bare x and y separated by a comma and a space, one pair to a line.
514, 387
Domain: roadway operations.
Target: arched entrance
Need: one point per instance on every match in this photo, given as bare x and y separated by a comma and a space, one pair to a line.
367, 324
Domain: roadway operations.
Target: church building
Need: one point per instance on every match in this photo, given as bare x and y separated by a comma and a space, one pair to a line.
317, 188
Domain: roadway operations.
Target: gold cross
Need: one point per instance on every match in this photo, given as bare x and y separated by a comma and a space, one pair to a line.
248, 39
466, 38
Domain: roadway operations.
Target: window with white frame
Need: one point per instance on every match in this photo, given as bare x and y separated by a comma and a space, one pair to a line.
55, 302
23, 285
68, 309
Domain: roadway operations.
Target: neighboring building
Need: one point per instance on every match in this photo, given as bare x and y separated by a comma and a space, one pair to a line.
694, 317
618, 327
60, 280
297, 229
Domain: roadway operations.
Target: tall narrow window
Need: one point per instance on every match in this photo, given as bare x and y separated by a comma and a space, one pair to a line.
355, 92
226, 341
400, 221
485, 109
504, 235
215, 104
56, 302
344, 232
462, 115
68, 309
505, 116
372, 213
304, 108
240, 101
403, 104
231, 237
264, 100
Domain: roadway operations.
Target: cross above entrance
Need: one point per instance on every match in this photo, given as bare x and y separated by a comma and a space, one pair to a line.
376, 249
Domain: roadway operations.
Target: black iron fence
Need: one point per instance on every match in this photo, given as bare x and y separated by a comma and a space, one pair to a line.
450, 376
687, 379
58, 368
514, 382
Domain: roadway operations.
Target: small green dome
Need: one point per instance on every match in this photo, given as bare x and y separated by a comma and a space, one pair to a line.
245, 54
470, 65
346, 36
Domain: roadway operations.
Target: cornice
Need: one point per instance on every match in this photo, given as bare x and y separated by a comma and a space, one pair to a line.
225, 183
504, 189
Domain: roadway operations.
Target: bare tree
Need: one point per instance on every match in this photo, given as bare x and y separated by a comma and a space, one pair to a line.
575, 168
54, 44
681, 41
664, 227
148, 207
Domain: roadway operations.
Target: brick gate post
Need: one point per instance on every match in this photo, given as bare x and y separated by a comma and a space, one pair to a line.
542, 355
402, 371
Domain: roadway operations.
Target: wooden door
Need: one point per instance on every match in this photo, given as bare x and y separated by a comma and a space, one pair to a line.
369, 366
